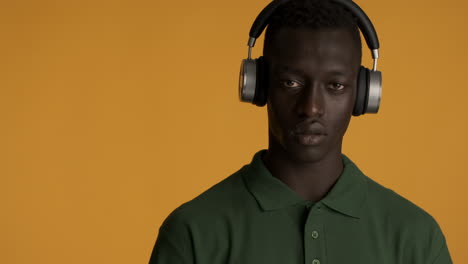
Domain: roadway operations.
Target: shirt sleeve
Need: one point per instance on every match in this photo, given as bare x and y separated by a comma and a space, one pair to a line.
443, 255
173, 242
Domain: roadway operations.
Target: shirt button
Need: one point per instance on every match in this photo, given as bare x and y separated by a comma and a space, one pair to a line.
315, 261
314, 234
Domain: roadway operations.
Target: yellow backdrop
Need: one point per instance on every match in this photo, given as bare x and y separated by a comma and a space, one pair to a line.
113, 113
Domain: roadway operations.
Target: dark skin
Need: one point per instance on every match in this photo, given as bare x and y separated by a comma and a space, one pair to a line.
312, 87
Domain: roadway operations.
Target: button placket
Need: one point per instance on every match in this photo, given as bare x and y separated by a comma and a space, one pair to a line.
314, 236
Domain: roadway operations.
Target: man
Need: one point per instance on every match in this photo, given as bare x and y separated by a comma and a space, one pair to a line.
302, 200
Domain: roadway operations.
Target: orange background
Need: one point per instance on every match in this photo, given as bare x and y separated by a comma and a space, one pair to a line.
113, 113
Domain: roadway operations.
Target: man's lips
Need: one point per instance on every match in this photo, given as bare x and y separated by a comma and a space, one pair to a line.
309, 134
310, 139
310, 129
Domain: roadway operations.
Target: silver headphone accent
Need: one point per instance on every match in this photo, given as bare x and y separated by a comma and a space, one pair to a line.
375, 86
247, 78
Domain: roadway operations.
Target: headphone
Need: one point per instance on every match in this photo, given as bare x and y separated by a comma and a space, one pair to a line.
252, 88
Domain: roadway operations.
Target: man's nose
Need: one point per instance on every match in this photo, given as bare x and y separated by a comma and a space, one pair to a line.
311, 101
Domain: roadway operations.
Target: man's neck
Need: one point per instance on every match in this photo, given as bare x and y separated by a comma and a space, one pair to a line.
312, 181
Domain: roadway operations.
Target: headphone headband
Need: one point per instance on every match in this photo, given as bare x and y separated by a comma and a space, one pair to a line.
364, 23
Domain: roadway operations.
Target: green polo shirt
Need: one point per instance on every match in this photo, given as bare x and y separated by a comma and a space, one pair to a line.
252, 217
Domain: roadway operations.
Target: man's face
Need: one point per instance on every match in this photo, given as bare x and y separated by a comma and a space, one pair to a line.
312, 88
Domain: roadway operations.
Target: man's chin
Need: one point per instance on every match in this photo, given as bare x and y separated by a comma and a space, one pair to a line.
305, 154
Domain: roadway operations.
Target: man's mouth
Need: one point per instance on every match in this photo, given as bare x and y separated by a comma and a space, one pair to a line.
310, 139
310, 129
309, 134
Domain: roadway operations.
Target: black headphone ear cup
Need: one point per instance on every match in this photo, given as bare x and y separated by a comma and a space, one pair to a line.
260, 96
361, 92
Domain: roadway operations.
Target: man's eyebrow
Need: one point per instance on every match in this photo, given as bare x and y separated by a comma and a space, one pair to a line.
285, 68
338, 73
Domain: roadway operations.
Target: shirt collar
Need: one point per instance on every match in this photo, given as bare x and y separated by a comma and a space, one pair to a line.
346, 196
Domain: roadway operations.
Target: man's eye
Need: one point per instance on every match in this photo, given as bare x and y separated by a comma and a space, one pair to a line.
290, 84
337, 86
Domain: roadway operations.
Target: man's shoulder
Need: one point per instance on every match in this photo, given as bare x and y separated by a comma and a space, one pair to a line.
217, 201
408, 225
392, 207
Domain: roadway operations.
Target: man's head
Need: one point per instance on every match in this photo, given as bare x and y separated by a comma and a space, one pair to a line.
312, 50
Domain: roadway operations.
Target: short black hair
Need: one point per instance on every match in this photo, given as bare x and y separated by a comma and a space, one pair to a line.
311, 14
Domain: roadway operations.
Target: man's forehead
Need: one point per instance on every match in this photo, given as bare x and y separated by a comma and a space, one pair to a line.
324, 46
